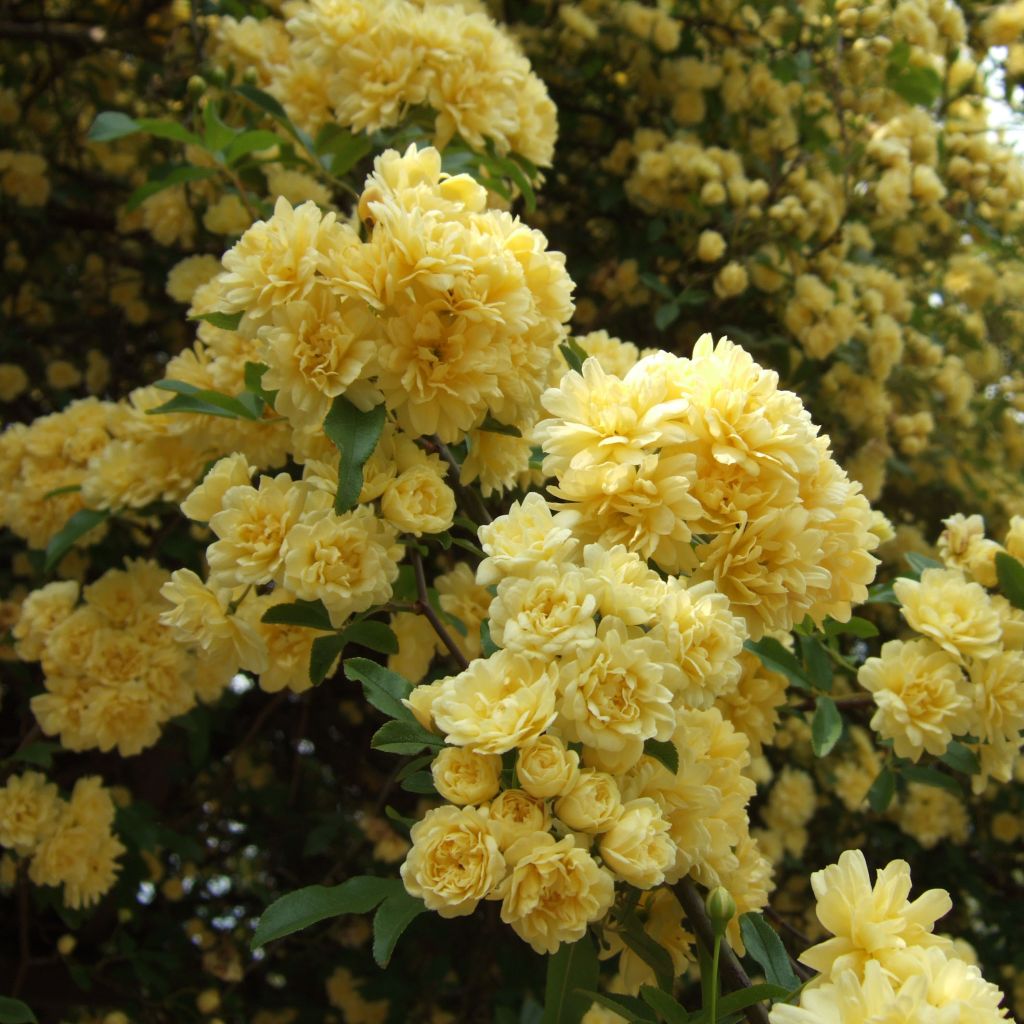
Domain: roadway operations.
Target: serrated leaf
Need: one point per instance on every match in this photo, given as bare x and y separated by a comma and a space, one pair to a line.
355, 434
931, 777
819, 666
168, 179
14, 1011
826, 727
1010, 574
249, 142
765, 946
393, 916
205, 402
382, 688
322, 655
663, 751
919, 563
574, 355
110, 125
404, 737
882, 790
225, 321
172, 130
634, 1010
573, 966
297, 910
664, 1005
299, 613
775, 657
377, 636
961, 758
666, 315
77, 526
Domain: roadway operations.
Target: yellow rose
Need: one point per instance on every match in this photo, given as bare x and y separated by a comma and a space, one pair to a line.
593, 803
419, 501
515, 814
498, 703
553, 891
638, 847
454, 861
546, 768
465, 777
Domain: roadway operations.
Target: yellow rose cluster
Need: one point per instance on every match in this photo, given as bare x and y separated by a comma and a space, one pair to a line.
961, 675
703, 465
598, 657
67, 843
114, 675
884, 962
365, 65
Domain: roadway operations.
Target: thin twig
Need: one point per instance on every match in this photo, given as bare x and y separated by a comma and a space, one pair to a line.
466, 495
424, 607
732, 970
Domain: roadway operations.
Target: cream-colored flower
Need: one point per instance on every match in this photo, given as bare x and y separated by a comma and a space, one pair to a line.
419, 501
546, 768
515, 814
498, 703
638, 847
870, 922
553, 891
546, 615
208, 497
463, 776
454, 862
592, 804
520, 542
29, 809
41, 612
962, 545
349, 561
946, 608
921, 694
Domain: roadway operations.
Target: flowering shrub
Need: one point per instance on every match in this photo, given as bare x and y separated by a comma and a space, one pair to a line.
374, 589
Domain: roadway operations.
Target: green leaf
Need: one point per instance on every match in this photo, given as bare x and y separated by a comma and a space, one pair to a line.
854, 627
765, 946
382, 688
492, 426
919, 563
882, 593
378, 636
666, 315
297, 910
819, 666
571, 967
299, 613
112, 124
776, 658
39, 753
634, 1010
487, 644
339, 150
225, 321
744, 997
254, 383
355, 434
931, 777
664, 751
14, 1011
419, 782
169, 177
268, 104
1010, 573
69, 489
322, 655
205, 402
574, 355
393, 916
882, 790
961, 758
917, 85
216, 134
404, 737
664, 1005
167, 130
826, 727
77, 526
248, 142
654, 955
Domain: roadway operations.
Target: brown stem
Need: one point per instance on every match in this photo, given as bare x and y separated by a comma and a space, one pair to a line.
730, 968
467, 497
424, 607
